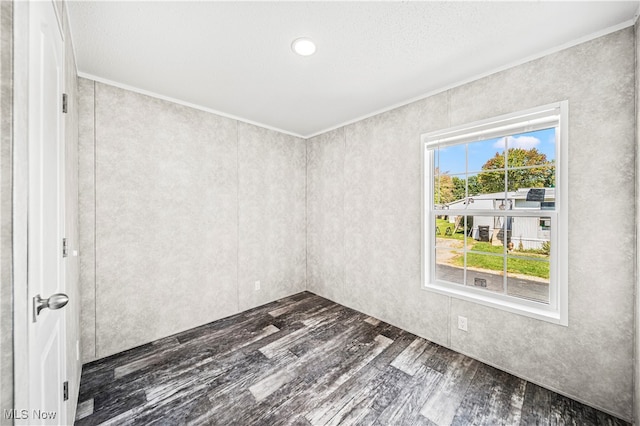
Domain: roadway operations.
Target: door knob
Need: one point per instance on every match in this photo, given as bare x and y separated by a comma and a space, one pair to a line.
55, 301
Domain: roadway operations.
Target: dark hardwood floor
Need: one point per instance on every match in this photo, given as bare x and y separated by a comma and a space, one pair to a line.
305, 360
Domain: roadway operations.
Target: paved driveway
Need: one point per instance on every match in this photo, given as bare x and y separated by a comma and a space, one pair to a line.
527, 289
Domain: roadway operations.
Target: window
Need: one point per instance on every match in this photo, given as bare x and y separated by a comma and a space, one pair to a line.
495, 213
545, 223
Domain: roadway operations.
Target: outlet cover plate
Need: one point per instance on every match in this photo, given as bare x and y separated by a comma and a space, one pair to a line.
462, 323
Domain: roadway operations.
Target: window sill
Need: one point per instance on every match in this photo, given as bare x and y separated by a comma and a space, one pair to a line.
505, 303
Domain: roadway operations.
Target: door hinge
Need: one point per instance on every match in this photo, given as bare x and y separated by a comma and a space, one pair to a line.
64, 103
65, 390
65, 248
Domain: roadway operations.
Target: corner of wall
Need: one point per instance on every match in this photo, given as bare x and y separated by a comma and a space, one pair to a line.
86, 217
306, 214
636, 346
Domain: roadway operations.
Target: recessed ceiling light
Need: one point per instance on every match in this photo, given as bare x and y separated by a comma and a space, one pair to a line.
303, 46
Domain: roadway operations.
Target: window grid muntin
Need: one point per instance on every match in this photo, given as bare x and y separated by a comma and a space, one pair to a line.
503, 169
505, 255
435, 150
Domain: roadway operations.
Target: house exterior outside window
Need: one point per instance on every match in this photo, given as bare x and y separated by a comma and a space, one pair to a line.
495, 212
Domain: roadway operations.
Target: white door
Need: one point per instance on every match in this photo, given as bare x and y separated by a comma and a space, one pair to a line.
47, 345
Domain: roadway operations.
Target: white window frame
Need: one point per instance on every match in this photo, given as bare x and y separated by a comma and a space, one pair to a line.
552, 115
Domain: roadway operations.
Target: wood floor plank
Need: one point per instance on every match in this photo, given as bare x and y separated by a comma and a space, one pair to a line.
544, 407
328, 368
296, 393
372, 321
442, 405
493, 398
409, 360
365, 405
340, 396
304, 360
84, 409
270, 384
406, 409
282, 344
380, 344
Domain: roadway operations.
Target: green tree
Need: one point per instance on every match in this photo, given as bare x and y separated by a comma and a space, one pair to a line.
459, 188
536, 177
443, 190
474, 186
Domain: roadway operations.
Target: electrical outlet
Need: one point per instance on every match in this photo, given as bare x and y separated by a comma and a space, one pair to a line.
77, 350
257, 285
462, 323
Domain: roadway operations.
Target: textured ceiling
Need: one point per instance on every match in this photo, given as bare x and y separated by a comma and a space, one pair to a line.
235, 58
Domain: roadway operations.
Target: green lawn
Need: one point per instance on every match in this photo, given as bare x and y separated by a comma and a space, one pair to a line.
442, 226
487, 247
529, 267
532, 268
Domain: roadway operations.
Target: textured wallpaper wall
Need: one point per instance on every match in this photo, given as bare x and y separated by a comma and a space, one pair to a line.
364, 222
182, 211
636, 348
6, 205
